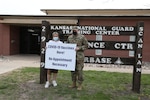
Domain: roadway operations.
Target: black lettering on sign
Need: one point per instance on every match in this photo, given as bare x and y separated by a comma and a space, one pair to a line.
111, 45
98, 60
108, 60
96, 45
96, 30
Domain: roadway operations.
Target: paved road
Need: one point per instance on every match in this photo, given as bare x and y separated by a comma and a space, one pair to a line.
9, 63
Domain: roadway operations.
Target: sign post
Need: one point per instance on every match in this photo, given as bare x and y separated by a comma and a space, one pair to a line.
44, 33
138, 58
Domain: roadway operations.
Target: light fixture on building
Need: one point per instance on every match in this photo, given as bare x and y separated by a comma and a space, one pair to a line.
34, 34
31, 30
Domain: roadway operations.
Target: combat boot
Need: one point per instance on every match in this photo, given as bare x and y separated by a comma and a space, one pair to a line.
79, 87
73, 85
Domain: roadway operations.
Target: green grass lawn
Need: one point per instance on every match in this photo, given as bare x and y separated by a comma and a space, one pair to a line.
23, 84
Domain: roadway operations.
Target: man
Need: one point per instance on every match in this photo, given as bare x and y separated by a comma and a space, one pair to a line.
82, 44
52, 72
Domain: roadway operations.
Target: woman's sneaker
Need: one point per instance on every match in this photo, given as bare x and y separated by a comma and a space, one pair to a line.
54, 83
47, 84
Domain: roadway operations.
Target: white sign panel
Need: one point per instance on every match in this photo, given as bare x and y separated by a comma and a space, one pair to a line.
60, 56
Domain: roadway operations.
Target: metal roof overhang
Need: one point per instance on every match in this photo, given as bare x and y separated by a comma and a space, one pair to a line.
62, 16
17, 19
97, 12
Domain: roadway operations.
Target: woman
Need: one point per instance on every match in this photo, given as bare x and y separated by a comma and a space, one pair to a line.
52, 73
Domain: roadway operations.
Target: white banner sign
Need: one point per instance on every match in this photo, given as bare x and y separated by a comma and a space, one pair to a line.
60, 56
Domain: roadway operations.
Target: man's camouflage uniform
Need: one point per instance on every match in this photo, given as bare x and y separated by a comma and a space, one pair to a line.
82, 44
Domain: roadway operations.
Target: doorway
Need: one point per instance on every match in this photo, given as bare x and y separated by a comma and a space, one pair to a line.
30, 40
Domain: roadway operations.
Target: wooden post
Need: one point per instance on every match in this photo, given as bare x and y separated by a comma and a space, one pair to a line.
44, 33
138, 58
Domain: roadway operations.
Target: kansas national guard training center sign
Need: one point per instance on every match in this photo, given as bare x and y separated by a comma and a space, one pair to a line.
54, 59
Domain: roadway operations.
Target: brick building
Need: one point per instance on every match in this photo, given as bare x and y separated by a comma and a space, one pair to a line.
20, 34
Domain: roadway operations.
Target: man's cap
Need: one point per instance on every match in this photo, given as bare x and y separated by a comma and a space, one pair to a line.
74, 27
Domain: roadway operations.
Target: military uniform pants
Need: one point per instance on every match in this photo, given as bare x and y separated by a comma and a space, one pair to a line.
77, 75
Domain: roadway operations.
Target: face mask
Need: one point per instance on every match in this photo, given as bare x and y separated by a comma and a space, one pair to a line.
74, 33
55, 38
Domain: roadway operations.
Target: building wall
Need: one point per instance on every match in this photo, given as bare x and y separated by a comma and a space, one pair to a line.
120, 21
146, 48
1, 39
14, 40
10, 39
4, 39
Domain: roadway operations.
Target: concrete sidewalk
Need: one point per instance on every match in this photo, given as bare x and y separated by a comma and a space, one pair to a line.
9, 63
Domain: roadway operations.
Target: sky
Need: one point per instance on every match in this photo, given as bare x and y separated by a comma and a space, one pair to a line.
33, 7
